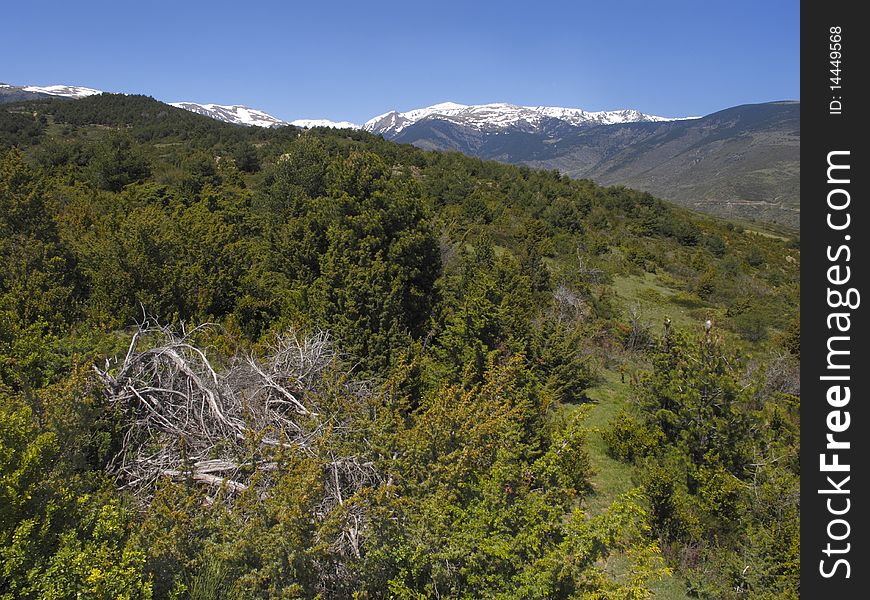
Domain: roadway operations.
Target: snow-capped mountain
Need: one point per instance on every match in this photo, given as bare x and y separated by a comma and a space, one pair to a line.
238, 114
501, 116
67, 91
309, 123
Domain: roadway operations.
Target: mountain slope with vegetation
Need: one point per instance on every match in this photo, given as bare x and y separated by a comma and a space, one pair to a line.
743, 162
260, 363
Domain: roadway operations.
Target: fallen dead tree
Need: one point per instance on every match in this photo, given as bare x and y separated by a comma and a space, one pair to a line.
222, 428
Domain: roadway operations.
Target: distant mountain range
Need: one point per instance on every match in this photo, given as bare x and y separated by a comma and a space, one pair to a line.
500, 117
740, 162
482, 117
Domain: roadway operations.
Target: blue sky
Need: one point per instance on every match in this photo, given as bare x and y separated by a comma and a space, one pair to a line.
353, 60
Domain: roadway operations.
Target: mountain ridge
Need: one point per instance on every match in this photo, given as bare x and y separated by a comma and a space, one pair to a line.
484, 117
499, 116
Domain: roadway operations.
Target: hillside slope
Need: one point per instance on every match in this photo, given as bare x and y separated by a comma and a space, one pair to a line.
740, 162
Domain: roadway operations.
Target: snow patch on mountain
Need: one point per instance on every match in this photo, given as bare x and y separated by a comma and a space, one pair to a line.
309, 123
68, 91
237, 114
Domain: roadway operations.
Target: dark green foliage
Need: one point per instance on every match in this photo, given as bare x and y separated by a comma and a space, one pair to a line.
115, 163
377, 273
704, 441
565, 365
791, 338
751, 326
715, 245
245, 157
696, 398
531, 255
20, 129
54, 153
754, 257
566, 214
685, 232
22, 201
38, 280
490, 313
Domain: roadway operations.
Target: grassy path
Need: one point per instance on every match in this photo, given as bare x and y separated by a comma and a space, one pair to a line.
613, 478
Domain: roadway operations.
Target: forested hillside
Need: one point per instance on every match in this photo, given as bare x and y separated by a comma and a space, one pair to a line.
249, 363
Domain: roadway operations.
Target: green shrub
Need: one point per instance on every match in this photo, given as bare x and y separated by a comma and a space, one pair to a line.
687, 299
628, 439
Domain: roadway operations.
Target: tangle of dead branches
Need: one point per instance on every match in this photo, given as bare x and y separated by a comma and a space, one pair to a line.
222, 428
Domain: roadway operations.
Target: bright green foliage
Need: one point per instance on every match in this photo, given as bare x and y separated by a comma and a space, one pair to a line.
488, 502
93, 560
26, 454
29, 512
264, 547
29, 357
61, 532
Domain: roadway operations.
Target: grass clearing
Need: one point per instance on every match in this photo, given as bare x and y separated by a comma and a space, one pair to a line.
653, 299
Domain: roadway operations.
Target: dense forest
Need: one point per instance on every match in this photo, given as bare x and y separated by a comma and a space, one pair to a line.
250, 363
